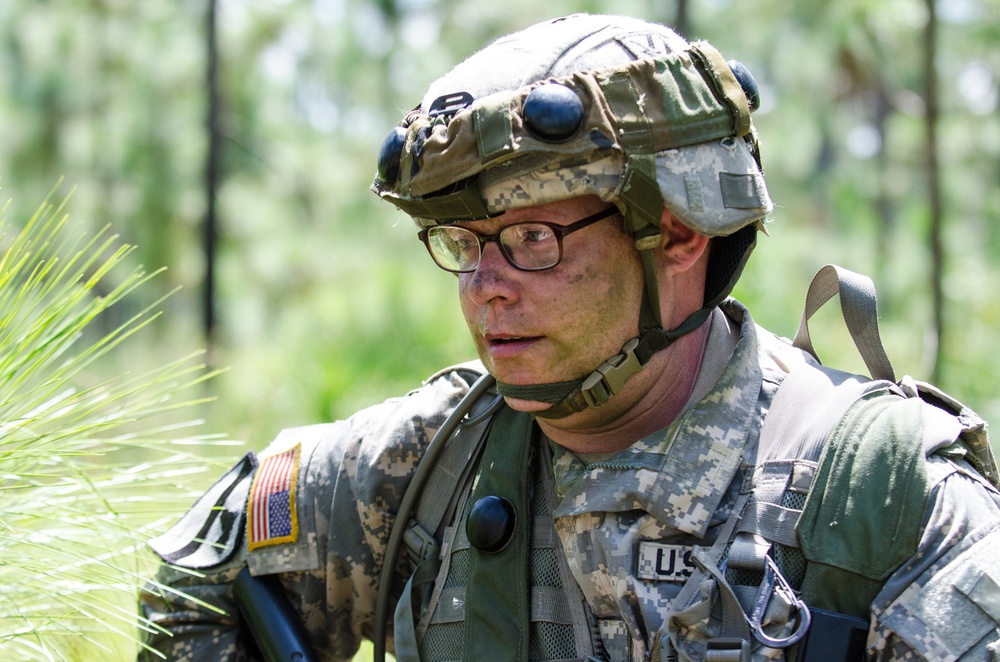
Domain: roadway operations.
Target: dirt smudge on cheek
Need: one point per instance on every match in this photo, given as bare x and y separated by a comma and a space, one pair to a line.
588, 274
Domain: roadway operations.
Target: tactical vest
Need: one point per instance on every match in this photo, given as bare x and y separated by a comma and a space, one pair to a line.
524, 600
841, 461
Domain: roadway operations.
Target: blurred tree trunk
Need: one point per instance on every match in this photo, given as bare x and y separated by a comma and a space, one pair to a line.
682, 23
210, 229
935, 203
884, 202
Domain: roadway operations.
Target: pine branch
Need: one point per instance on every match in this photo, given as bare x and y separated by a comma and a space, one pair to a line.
75, 504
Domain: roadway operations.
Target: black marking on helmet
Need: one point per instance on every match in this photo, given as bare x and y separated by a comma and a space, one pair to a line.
448, 104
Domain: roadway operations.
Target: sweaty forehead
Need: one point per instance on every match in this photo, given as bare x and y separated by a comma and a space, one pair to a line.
576, 43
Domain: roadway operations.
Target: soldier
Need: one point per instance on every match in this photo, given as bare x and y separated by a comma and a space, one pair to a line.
658, 478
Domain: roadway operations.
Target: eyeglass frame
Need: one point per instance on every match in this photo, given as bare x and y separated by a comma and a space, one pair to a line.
559, 231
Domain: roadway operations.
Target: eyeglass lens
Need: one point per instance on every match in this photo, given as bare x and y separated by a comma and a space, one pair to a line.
530, 246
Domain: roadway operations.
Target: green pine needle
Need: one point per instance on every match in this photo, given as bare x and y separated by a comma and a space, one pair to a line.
88, 467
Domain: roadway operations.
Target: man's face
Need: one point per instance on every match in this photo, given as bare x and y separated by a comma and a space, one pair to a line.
558, 324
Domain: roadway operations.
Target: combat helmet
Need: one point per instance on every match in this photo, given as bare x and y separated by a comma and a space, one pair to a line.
591, 105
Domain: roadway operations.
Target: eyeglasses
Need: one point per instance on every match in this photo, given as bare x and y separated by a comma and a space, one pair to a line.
528, 246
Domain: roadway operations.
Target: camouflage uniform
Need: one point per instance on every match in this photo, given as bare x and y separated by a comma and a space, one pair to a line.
626, 521
647, 122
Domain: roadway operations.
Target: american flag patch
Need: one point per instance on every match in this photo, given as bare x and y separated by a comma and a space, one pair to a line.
271, 517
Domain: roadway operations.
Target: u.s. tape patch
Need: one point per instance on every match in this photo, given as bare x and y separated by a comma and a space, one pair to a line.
671, 563
271, 515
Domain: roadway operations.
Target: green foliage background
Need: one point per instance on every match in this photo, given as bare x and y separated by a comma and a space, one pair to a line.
326, 301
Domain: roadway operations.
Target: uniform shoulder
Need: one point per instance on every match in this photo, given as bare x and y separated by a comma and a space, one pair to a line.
433, 399
469, 372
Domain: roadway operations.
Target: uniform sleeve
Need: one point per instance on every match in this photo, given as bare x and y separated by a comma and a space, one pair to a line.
350, 480
944, 604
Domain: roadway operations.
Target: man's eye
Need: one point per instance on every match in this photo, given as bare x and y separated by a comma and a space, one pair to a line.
465, 243
534, 234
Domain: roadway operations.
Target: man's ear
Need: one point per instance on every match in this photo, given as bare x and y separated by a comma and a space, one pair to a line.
682, 247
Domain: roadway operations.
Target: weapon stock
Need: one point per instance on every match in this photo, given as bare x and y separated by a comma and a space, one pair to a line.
271, 619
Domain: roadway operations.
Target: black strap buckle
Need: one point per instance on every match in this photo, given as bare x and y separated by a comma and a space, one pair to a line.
727, 649
610, 376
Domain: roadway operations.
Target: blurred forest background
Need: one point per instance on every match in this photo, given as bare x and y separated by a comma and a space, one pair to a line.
234, 142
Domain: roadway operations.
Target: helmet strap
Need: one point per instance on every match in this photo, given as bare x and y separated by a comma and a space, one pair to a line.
608, 379
643, 205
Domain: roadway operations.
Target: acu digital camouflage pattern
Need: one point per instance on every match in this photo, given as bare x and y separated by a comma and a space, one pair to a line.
682, 172
352, 477
618, 517
944, 604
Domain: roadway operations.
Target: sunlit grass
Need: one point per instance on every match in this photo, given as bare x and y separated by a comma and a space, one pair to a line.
75, 508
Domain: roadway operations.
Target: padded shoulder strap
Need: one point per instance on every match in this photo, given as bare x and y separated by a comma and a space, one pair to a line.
809, 403
863, 516
469, 428
860, 310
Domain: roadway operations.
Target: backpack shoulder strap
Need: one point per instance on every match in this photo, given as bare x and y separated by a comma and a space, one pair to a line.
863, 515
865, 507
447, 473
860, 310
445, 464
859, 306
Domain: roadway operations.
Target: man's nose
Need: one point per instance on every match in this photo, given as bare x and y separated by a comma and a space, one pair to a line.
492, 278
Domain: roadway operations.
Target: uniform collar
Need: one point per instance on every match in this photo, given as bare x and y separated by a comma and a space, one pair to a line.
679, 474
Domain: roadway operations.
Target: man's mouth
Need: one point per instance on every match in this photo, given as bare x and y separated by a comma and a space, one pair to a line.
502, 338
509, 344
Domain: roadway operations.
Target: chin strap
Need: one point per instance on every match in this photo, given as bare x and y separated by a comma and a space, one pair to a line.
726, 262
643, 204
608, 379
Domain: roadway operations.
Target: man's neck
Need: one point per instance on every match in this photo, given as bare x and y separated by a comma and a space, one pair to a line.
650, 401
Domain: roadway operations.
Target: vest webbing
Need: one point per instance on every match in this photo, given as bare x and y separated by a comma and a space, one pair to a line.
513, 604
497, 595
558, 626
836, 497
865, 443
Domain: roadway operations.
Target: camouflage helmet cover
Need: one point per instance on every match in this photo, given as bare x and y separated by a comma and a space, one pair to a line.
650, 101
